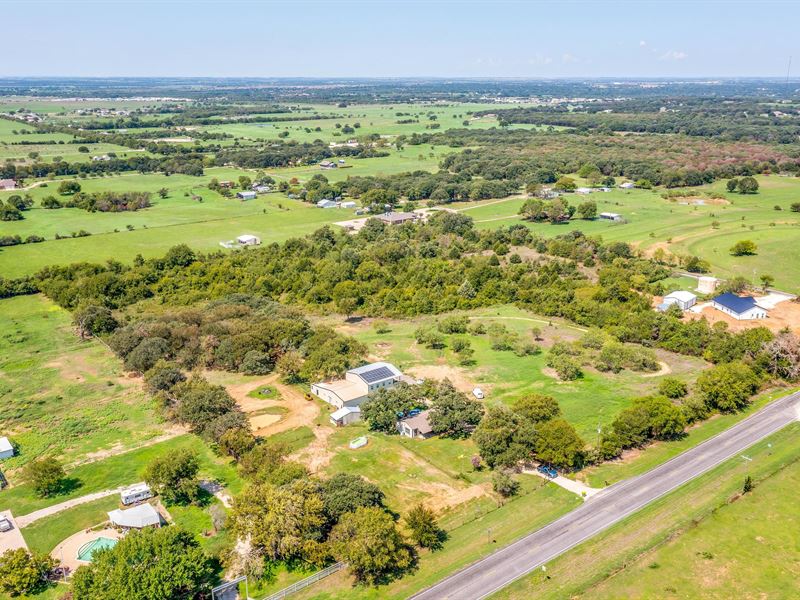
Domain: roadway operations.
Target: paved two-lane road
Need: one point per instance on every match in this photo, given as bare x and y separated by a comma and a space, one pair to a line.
613, 504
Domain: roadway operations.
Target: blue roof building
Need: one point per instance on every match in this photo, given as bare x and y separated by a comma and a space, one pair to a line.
742, 308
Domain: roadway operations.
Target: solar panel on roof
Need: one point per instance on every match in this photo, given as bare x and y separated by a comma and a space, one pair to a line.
377, 374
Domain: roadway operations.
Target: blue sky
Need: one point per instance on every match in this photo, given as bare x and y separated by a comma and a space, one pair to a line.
399, 39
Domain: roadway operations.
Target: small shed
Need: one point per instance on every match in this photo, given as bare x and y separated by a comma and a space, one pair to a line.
135, 493
246, 195
7, 184
684, 300
326, 204
348, 204
248, 240
345, 416
610, 216
417, 426
6, 449
138, 517
584, 190
627, 185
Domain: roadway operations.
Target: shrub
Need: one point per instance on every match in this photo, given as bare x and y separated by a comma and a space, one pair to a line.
672, 388
504, 484
46, 475
728, 387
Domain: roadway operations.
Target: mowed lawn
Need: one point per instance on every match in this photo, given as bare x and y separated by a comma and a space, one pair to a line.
589, 402
61, 396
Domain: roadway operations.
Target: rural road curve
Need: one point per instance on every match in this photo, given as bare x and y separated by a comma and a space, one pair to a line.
490, 574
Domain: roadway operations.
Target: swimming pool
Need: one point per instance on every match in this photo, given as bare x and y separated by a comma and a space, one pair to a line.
86, 551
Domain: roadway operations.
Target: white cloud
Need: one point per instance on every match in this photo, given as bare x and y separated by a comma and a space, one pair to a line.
642, 43
674, 55
568, 58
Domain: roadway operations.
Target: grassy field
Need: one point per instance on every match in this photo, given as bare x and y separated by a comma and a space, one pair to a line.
592, 401
62, 396
118, 470
683, 228
701, 541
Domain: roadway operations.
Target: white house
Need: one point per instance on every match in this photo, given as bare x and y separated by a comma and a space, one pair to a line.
741, 308
326, 204
246, 195
357, 384
138, 517
417, 426
348, 204
345, 416
248, 240
627, 185
610, 216
684, 300
135, 493
6, 449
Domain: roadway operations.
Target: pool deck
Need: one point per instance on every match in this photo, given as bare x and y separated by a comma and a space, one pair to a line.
66, 553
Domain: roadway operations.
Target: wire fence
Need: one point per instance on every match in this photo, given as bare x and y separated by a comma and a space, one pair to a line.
304, 583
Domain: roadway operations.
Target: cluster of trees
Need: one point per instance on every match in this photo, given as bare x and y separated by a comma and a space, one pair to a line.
290, 516
734, 120
14, 206
239, 332
521, 157
101, 201
532, 429
452, 413
745, 185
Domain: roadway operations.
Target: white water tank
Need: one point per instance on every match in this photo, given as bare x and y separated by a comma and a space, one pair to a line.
707, 285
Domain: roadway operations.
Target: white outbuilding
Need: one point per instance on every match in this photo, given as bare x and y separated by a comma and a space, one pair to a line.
138, 517
248, 240
345, 416
6, 449
684, 300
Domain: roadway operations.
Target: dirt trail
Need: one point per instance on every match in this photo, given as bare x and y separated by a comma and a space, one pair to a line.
664, 369
300, 411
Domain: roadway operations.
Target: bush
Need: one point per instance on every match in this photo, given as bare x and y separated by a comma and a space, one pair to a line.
728, 387
256, 362
672, 388
453, 324
565, 367
504, 484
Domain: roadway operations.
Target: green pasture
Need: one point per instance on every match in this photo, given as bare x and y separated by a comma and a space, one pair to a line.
707, 230
62, 396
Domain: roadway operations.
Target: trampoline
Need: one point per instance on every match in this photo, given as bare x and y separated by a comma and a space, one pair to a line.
86, 551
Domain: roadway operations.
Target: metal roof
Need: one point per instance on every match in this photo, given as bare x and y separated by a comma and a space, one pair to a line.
344, 411
137, 517
376, 374
738, 304
681, 295
5, 445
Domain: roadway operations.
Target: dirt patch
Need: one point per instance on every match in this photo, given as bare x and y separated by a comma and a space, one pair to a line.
786, 314
119, 448
457, 377
317, 455
299, 411
702, 201
444, 496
